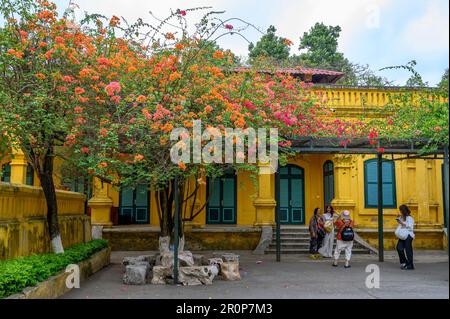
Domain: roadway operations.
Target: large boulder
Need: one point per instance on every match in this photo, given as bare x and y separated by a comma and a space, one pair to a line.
197, 275
135, 274
230, 270
148, 260
161, 275
185, 259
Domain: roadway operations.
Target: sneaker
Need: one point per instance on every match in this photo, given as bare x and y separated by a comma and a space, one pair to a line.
312, 256
334, 264
347, 266
403, 266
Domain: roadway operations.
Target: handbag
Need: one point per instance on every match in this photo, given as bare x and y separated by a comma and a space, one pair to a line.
328, 226
401, 232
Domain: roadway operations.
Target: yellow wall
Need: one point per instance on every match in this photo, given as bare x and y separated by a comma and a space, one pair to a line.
23, 229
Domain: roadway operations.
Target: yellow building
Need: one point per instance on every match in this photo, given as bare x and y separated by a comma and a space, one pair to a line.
234, 216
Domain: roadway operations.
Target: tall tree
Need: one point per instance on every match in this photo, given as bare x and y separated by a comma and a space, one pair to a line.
271, 46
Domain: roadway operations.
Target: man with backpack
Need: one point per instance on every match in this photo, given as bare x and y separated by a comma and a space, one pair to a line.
345, 235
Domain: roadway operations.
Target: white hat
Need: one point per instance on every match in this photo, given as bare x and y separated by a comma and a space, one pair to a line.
345, 214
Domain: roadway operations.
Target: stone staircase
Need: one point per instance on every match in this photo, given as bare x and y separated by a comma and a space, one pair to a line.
295, 240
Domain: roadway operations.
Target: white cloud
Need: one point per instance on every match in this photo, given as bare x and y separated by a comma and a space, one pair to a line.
428, 33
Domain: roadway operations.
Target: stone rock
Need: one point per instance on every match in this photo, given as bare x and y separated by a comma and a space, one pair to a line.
181, 244
215, 261
160, 275
136, 261
230, 257
197, 275
230, 270
97, 232
135, 275
164, 244
151, 259
199, 260
185, 259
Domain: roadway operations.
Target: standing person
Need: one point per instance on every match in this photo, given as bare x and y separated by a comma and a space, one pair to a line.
328, 223
315, 232
405, 233
345, 237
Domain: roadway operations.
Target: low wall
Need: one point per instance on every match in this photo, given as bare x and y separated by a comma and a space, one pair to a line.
207, 238
55, 286
424, 238
23, 224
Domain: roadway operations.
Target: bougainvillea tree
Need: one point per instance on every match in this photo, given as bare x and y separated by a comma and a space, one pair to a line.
182, 80
106, 95
53, 75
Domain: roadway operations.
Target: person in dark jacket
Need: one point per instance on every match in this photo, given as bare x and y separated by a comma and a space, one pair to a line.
315, 231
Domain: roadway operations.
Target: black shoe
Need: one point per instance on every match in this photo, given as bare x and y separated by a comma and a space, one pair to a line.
409, 268
334, 265
347, 266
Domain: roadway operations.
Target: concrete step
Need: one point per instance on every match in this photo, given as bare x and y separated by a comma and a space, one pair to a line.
306, 251
293, 239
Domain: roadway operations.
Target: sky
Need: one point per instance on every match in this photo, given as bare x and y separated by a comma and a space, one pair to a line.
380, 33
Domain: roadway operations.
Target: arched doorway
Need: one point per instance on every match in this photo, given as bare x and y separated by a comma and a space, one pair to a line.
292, 195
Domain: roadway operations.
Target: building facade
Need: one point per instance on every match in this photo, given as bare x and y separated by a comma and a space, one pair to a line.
239, 208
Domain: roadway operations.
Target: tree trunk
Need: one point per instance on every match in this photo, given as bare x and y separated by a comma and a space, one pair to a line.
48, 187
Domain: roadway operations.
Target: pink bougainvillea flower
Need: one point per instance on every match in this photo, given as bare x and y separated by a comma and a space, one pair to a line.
85, 150
380, 150
228, 26
112, 88
182, 12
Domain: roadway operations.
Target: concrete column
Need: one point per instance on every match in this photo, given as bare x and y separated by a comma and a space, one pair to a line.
265, 202
100, 205
344, 184
18, 167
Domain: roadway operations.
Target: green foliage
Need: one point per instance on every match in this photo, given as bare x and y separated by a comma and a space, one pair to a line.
270, 45
19, 273
321, 44
443, 84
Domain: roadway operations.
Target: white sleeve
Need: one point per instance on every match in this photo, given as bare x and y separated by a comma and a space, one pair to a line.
409, 223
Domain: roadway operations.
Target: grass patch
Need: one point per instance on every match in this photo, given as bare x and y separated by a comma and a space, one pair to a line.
19, 273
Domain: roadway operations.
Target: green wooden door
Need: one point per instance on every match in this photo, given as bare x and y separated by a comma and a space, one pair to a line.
134, 205
221, 208
292, 195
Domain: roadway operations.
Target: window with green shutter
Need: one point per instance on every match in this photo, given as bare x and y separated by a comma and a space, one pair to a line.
371, 184
6, 173
30, 175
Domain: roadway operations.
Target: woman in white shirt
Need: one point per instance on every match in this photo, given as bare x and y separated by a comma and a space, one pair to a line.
327, 244
407, 223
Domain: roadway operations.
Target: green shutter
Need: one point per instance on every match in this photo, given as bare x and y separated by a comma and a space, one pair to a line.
371, 184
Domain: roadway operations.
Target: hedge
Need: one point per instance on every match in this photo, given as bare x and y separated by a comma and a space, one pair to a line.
19, 273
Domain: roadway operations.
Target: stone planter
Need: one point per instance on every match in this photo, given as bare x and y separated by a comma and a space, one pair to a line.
55, 286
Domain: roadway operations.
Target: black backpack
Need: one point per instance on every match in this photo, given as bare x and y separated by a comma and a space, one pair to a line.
347, 234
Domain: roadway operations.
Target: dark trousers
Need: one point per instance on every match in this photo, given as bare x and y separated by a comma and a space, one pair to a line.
406, 246
313, 245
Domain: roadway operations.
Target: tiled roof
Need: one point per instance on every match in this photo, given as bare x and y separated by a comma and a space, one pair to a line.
327, 75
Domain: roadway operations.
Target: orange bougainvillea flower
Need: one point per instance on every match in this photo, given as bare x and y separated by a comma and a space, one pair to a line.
102, 165
141, 99
79, 90
174, 76
218, 55
40, 76
182, 166
17, 54
138, 157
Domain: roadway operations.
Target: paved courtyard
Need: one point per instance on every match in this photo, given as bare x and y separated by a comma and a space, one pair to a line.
294, 277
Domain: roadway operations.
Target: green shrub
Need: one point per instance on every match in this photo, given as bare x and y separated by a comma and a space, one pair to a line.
19, 273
